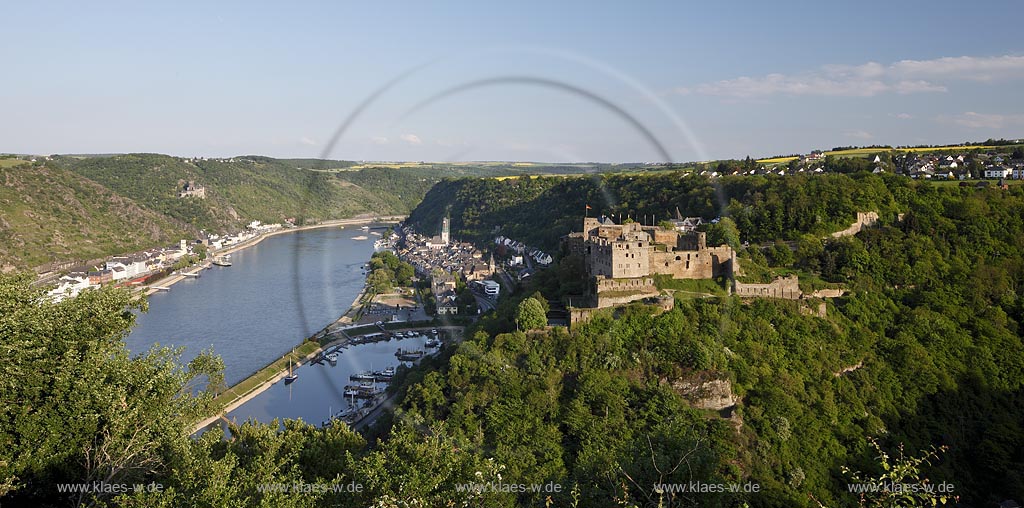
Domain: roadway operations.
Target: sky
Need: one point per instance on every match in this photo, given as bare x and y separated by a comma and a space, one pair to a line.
527, 81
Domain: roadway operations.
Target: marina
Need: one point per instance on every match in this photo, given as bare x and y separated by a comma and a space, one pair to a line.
346, 390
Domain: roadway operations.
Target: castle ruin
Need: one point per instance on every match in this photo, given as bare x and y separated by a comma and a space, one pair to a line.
612, 252
190, 189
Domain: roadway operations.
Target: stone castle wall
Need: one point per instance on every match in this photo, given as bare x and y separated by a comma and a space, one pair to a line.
864, 219
630, 259
664, 236
782, 287
706, 263
611, 292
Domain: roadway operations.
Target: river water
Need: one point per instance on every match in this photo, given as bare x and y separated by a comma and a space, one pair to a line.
274, 295
319, 390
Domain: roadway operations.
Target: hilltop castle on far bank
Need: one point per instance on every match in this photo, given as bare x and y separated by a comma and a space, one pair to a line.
621, 258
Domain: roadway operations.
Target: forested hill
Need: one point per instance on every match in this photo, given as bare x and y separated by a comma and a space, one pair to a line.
85, 207
923, 355
540, 210
248, 188
48, 213
922, 358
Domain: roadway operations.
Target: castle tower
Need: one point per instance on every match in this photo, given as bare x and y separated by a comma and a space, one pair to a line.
445, 231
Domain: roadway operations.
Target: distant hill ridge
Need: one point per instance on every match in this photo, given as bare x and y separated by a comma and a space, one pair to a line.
72, 207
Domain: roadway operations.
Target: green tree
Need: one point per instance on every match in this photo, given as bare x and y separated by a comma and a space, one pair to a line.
530, 315
897, 472
404, 274
780, 254
724, 232
380, 280
809, 249
78, 408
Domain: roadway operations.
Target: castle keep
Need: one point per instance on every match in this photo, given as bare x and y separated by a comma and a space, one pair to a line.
631, 251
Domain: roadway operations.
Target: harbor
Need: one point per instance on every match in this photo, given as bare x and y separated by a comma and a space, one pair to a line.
348, 389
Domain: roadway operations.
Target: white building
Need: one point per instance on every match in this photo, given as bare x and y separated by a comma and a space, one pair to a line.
119, 273
491, 288
447, 307
129, 267
69, 287
997, 172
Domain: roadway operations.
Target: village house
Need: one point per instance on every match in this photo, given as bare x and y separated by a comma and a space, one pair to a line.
98, 277
997, 172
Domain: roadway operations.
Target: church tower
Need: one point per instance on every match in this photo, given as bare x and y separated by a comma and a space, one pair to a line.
445, 231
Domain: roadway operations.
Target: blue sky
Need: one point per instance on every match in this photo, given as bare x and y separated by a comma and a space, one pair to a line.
707, 80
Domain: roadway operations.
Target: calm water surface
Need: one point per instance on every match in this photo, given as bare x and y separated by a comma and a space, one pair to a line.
319, 390
276, 293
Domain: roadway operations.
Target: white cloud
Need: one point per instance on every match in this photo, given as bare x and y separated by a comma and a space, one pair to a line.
868, 79
918, 86
747, 87
974, 120
379, 140
863, 71
412, 139
962, 67
903, 116
306, 141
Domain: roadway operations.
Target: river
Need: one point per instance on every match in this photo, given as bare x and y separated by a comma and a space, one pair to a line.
276, 293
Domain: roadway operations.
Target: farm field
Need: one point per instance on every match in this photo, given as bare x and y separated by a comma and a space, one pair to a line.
10, 163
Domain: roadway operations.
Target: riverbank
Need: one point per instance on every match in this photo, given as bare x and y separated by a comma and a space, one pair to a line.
170, 280
309, 350
260, 381
360, 220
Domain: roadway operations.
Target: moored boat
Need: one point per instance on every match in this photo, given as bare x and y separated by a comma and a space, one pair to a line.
384, 375
362, 376
292, 375
409, 356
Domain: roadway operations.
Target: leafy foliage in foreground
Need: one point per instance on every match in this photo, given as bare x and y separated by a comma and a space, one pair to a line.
925, 352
